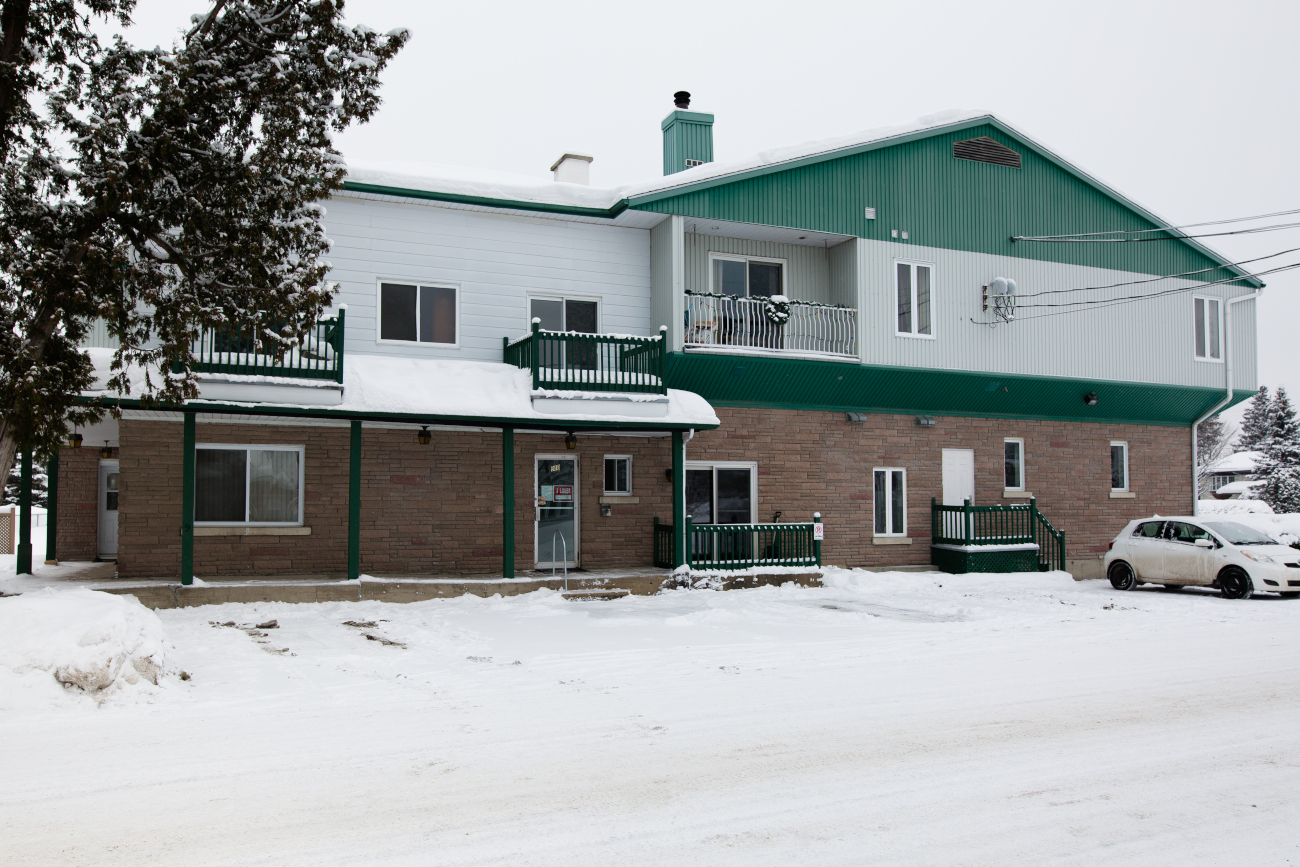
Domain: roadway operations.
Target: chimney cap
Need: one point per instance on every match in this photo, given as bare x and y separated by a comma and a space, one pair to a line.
682, 99
582, 157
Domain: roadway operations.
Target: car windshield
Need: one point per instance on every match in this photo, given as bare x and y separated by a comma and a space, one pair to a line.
1240, 534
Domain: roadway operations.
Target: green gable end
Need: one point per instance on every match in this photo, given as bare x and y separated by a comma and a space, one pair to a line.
919, 186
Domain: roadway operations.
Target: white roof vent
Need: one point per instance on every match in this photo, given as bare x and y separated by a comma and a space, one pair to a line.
573, 169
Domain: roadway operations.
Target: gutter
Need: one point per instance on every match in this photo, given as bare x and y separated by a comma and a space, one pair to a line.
509, 204
1227, 385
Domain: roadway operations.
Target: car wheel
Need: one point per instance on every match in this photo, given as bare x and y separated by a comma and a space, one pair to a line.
1234, 583
1173, 588
1121, 576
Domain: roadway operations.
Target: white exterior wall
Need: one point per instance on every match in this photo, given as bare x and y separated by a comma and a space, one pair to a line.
807, 275
1142, 341
495, 260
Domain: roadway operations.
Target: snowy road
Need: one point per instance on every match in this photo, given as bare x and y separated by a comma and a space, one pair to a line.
892, 719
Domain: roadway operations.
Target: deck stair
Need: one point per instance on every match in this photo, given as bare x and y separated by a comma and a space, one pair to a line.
1015, 538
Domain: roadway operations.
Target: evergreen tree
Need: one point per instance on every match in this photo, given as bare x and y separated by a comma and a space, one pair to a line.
40, 486
164, 191
1212, 444
1280, 467
1256, 423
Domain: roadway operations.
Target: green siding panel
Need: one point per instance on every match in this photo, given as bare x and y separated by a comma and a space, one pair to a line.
941, 201
687, 135
782, 383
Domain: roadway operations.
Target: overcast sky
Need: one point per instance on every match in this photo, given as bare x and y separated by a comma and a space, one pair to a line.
1187, 107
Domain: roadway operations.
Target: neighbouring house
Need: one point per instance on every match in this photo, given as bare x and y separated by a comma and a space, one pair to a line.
521, 373
1233, 477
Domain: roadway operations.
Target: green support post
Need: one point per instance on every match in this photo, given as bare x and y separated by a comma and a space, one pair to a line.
686, 557
24, 560
663, 359
966, 509
536, 354
52, 510
187, 502
817, 543
680, 537
354, 504
508, 502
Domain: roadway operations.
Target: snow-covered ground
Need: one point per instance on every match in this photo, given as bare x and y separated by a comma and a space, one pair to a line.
887, 718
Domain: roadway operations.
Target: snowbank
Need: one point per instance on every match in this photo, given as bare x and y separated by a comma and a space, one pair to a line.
77, 641
1256, 514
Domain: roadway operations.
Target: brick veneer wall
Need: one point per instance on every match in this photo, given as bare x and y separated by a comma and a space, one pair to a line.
818, 461
437, 508
77, 533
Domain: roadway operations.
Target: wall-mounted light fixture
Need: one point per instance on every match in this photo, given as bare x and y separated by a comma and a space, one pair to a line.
606, 510
1090, 398
570, 441
106, 452
424, 436
925, 420
855, 417
75, 440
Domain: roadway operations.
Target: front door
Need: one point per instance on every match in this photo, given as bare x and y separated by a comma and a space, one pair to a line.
958, 476
108, 510
556, 512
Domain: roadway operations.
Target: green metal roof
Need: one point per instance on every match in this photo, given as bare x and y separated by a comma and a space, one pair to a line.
783, 383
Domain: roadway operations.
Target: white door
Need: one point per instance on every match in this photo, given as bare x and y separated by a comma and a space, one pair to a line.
108, 510
958, 476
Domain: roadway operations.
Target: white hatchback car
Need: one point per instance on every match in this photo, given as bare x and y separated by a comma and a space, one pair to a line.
1179, 552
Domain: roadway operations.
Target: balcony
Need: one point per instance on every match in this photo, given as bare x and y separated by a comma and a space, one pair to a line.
573, 361
319, 356
727, 322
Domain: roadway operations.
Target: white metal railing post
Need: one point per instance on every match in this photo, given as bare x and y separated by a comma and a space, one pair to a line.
726, 320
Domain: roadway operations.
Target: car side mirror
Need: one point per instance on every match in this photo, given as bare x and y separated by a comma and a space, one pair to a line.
1203, 543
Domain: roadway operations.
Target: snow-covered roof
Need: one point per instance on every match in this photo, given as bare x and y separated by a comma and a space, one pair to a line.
1237, 488
1237, 463
379, 385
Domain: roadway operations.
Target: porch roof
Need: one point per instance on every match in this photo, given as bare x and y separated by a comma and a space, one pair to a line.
446, 392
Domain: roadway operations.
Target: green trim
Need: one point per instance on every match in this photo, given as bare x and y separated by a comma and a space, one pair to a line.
354, 502
513, 204
187, 501
23, 564
560, 425
798, 384
681, 527
52, 508
508, 502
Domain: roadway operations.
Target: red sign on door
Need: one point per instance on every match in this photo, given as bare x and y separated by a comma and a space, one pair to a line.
564, 493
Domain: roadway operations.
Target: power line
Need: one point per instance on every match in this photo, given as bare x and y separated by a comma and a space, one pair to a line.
1080, 239
1157, 279
1158, 229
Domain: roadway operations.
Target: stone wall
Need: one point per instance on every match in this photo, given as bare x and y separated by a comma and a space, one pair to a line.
77, 532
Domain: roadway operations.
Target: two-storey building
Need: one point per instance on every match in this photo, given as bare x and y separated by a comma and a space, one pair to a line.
523, 372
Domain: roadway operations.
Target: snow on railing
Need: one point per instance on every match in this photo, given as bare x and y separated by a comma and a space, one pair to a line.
775, 324
574, 361
319, 356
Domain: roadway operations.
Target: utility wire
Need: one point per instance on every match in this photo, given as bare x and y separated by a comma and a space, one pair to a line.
1079, 239
1157, 279
1158, 229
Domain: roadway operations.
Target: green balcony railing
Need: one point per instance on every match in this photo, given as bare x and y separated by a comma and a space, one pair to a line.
246, 353
572, 361
969, 525
740, 546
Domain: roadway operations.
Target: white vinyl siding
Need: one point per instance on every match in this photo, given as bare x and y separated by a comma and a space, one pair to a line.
806, 269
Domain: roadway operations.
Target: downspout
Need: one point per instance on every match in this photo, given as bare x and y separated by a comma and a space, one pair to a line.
1227, 387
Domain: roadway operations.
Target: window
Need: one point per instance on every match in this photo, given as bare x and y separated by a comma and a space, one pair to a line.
418, 314
618, 474
1119, 466
1013, 462
566, 314
721, 493
1209, 333
748, 277
890, 488
1149, 529
248, 485
913, 293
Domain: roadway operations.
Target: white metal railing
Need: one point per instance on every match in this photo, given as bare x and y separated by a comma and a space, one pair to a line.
727, 320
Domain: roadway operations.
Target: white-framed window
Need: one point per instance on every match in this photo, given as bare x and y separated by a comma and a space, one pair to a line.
746, 276
419, 313
253, 485
914, 293
564, 313
1013, 464
618, 475
1208, 315
1118, 466
722, 492
889, 489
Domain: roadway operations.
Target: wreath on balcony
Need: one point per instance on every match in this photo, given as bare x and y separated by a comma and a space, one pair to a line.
776, 309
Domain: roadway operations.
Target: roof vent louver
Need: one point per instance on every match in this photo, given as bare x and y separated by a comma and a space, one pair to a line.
986, 150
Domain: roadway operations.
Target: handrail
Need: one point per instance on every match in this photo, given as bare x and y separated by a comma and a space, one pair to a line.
742, 546
575, 361
319, 356
565, 561
1018, 524
729, 320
